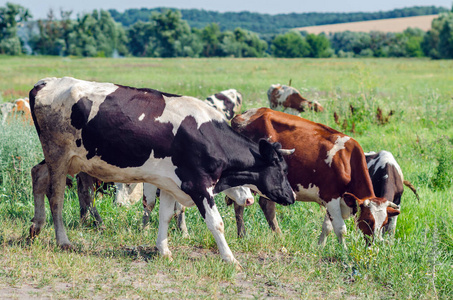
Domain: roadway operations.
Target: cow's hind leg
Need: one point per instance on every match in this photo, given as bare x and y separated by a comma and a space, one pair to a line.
326, 229
40, 182
57, 184
166, 212
85, 185
149, 201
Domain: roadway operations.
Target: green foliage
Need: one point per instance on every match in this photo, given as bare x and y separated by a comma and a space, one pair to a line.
118, 261
443, 175
10, 17
438, 42
266, 23
291, 44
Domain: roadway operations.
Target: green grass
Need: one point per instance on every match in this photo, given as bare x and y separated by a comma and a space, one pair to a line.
120, 262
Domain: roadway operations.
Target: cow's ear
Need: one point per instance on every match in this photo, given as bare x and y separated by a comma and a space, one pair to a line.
391, 212
267, 150
351, 200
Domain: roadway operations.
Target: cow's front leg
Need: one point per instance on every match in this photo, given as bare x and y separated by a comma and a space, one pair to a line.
166, 211
40, 182
336, 217
215, 225
268, 208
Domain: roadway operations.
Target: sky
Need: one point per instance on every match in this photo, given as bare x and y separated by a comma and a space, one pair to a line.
39, 8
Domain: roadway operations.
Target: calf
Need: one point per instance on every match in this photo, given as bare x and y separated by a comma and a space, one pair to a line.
20, 107
288, 99
124, 134
388, 181
327, 167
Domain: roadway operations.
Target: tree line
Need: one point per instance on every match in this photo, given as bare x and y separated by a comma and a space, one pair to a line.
167, 34
265, 24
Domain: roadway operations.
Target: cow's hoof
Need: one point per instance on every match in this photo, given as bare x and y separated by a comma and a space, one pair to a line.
34, 232
67, 247
237, 265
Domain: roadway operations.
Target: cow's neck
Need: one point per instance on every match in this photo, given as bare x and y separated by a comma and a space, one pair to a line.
242, 171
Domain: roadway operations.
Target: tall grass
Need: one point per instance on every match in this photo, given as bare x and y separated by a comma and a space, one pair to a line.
121, 262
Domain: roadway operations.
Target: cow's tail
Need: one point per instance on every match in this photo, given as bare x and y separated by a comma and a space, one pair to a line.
32, 96
409, 185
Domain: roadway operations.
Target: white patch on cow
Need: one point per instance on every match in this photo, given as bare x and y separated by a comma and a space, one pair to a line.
379, 212
239, 194
334, 208
310, 194
76, 89
142, 116
339, 144
178, 108
385, 176
382, 160
215, 224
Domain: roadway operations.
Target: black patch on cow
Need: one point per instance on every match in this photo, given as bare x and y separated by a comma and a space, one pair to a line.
229, 105
116, 133
204, 146
32, 96
80, 112
78, 142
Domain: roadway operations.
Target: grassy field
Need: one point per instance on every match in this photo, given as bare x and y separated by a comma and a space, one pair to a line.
121, 262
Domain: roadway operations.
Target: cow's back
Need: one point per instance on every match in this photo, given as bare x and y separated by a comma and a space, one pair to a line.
323, 157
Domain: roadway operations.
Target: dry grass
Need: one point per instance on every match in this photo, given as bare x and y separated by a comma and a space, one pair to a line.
385, 25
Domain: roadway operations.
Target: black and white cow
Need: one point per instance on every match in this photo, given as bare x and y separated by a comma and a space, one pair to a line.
124, 134
388, 181
228, 102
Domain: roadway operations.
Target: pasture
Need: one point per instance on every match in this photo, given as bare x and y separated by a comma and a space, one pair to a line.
121, 262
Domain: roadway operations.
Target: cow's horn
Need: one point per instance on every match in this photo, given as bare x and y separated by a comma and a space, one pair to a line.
393, 205
286, 151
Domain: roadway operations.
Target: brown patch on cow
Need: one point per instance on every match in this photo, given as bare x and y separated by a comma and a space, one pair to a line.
296, 101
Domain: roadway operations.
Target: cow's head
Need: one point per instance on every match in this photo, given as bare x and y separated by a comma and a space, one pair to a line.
374, 213
272, 182
241, 195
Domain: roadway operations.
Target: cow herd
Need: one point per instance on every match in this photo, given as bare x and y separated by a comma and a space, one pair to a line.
192, 150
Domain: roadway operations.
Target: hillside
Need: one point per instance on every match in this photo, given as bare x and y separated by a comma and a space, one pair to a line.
270, 24
385, 25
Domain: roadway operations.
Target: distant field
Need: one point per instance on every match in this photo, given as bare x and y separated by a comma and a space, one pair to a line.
120, 262
385, 25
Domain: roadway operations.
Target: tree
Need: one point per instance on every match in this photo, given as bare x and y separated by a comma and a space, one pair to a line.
170, 30
438, 41
290, 44
97, 34
11, 17
319, 45
53, 34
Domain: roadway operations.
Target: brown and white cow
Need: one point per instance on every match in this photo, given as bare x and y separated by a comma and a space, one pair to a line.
289, 100
20, 107
388, 181
124, 134
327, 167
